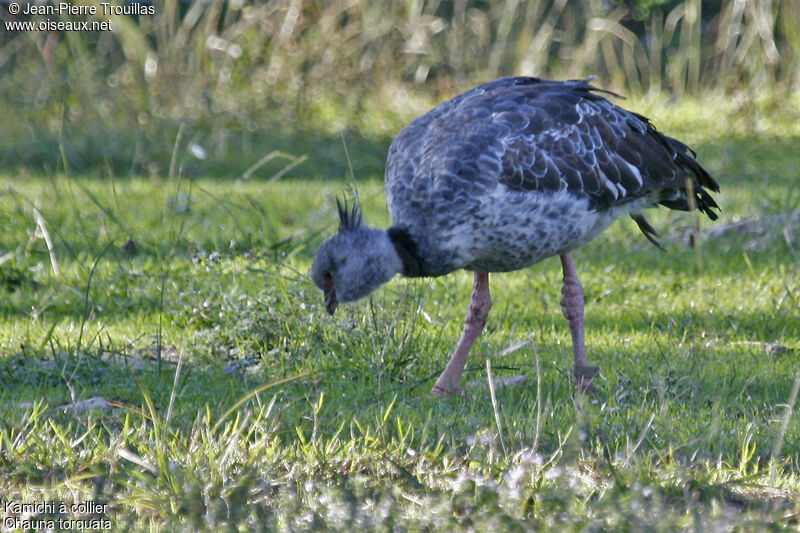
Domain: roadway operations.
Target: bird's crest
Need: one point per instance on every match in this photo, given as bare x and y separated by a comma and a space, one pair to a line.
349, 218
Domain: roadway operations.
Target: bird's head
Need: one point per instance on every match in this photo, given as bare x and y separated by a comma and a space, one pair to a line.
355, 261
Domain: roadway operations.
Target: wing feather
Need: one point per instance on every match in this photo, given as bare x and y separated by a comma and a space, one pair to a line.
528, 134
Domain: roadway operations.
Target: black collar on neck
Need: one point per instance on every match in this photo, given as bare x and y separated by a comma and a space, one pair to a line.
407, 250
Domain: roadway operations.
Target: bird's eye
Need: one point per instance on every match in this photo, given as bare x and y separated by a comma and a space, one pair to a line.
328, 275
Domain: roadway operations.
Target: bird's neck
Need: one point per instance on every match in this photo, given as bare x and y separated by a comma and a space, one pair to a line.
406, 248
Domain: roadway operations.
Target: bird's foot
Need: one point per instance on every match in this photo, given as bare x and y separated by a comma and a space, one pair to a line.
583, 377
440, 392
448, 384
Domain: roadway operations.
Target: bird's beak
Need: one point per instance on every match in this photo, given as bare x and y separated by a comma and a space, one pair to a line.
330, 296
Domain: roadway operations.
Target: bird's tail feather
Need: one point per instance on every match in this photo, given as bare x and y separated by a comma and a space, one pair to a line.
648, 230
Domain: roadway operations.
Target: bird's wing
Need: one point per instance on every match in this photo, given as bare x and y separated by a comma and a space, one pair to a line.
530, 134
569, 136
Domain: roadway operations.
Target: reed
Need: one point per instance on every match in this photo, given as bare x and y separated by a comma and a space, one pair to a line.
231, 67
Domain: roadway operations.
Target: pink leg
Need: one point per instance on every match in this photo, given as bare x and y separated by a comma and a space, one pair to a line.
572, 306
450, 380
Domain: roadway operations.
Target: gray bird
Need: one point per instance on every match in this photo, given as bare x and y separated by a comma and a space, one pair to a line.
500, 177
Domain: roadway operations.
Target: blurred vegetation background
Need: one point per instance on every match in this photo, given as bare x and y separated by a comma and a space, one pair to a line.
241, 80
108, 286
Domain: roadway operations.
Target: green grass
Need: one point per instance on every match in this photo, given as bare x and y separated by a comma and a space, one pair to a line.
264, 412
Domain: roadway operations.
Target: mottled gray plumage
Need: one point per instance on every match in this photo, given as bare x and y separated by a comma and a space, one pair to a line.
499, 178
519, 169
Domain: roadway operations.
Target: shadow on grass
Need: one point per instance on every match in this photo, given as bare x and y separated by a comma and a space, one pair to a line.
124, 381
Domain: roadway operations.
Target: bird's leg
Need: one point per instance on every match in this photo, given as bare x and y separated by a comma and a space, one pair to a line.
450, 380
572, 306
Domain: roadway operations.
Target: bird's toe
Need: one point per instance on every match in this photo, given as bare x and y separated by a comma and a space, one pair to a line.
583, 377
584, 386
443, 393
